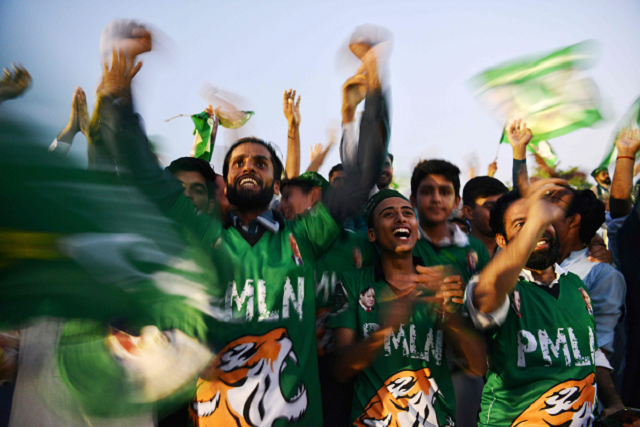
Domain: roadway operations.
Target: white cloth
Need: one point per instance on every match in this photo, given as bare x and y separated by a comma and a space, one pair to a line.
456, 237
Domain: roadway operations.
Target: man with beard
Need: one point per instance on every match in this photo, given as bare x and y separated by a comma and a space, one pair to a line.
386, 177
478, 197
603, 184
541, 328
269, 306
391, 335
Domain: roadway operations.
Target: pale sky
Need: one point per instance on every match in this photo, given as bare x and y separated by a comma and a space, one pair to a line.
258, 49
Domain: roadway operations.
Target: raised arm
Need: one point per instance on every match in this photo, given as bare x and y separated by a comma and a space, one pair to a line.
519, 136
291, 109
319, 153
365, 169
500, 276
14, 83
628, 143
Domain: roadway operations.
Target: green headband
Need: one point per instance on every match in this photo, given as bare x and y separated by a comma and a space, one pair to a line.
597, 170
376, 199
314, 178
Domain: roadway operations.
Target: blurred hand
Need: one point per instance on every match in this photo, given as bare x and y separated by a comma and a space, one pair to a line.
598, 252
291, 108
316, 151
628, 142
116, 82
539, 198
493, 167
354, 90
14, 83
519, 136
82, 112
452, 293
130, 37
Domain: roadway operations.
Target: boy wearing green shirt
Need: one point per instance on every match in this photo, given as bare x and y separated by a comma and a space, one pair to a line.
391, 335
541, 337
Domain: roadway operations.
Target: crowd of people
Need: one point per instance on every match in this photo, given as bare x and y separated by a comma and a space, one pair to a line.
342, 301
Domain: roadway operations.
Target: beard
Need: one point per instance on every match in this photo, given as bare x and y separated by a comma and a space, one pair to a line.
543, 259
607, 181
248, 200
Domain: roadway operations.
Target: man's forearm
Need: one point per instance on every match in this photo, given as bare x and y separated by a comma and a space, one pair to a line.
292, 168
500, 276
365, 169
125, 139
606, 389
620, 195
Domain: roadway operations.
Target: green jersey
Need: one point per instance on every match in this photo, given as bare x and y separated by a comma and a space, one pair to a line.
466, 258
543, 363
409, 382
265, 372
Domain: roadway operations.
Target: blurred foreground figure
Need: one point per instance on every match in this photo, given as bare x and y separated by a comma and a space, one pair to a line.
79, 244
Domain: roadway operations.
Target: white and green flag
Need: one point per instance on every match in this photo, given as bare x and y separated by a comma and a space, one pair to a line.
546, 92
630, 120
544, 150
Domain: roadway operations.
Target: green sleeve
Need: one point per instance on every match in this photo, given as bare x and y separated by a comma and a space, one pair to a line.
200, 224
344, 306
317, 229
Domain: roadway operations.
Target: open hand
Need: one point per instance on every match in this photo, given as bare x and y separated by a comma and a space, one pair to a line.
542, 199
291, 108
316, 151
14, 83
116, 82
628, 142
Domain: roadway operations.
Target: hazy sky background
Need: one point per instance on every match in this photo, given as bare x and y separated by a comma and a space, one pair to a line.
258, 49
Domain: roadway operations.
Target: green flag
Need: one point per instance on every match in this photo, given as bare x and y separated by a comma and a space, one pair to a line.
545, 91
207, 129
630, 120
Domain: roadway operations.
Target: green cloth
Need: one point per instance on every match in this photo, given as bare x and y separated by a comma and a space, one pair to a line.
630, 120
543, 369
207, 129
269, 312
410, 374
315, 178
543, 92
466, 260
376, 199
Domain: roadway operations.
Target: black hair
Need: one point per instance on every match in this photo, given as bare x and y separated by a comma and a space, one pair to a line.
275, 160
481, 186
435, 167
364, 291
591, 211
336, 168
304, 185
191, 164
496, 219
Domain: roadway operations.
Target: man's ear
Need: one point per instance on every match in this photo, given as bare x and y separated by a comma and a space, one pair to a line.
316, 195
413, 201
371, 234
276, 187
210, 205
501, 241
575, 220
457, 202
468, 212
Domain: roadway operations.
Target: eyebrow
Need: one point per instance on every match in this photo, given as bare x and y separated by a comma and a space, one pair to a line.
197, 184
393, 207
518, 219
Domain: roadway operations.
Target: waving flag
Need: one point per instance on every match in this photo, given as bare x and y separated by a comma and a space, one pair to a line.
546, 92
630, 120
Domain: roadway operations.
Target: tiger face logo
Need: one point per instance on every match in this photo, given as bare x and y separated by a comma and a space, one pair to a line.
406, 399
569, 404
242, 385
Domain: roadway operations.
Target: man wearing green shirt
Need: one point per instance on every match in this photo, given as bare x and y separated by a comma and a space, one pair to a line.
391, 334
541, 329
265, 372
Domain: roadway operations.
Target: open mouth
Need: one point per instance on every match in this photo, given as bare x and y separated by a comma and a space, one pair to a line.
248, 182
542, 243
402, 233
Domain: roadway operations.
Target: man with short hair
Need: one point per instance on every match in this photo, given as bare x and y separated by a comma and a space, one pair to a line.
336, 175
389, 338
605, 284
603, 184
539, 317
199, 181
478, 197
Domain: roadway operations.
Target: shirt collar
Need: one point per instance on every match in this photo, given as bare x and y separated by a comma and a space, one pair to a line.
576, 255
378, 272
528, 276
266, 219
456, 237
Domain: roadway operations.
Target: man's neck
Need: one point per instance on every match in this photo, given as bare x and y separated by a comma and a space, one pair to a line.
396, 268
570, 246
544, 276
436, 232
489, 242
249, 215
605, 186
